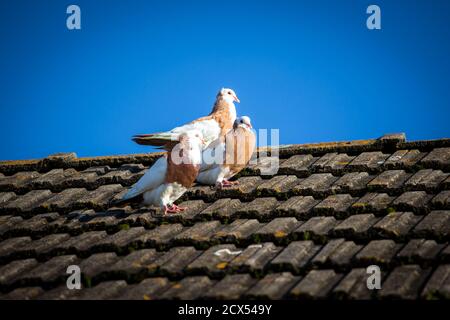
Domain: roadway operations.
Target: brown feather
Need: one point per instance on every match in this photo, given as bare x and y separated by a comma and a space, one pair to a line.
240, 146
183, 173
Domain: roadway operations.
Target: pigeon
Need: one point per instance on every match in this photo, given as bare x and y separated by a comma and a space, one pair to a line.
171, 175
235, 151
213, 126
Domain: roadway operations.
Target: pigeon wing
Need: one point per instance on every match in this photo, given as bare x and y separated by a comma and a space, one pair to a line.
154, 177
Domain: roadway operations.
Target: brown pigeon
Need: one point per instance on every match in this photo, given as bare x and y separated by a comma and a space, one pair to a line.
235, 151
172, 174
213, 126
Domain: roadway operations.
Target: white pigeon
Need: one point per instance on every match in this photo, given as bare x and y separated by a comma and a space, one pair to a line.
213, 126
171, 175
229, 155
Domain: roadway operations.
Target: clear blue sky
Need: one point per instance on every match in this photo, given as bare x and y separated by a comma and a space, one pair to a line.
310, 68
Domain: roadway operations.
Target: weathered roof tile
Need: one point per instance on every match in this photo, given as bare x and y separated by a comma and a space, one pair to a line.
147, 289
354, 286
390, 180
435, 225
336, 253
355, 226
379, 252
317, 185
439, 158
298, 206
353, 182
189, 288
173, 262
316, 284
273, 286
335, 205
404, 159
396, 225
373, 202
239, 231
332, 162
426, 179
403, 283
316, 228
442, 200
277, 229
231, 287
298, 165
255, 258
368, 161
439, 284
295, 256
419, 251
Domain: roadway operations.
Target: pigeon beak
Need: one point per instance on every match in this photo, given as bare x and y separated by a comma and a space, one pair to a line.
236, 99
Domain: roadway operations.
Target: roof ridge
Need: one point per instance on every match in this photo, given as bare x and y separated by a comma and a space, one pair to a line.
387, 142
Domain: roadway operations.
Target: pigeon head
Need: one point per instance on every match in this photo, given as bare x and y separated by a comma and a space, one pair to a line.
243, 122
228, 95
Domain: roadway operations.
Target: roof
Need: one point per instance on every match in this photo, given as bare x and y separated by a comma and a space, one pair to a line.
309, 231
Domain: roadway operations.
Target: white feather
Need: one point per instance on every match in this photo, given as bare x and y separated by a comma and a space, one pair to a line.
164, 195
209, 128
152, 178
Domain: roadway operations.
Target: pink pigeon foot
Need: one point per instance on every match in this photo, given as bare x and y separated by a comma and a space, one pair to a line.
226, 183
177, 208
170, 209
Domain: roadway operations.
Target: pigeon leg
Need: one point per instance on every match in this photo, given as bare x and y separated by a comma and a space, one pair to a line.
230, 183
169, 209
177, 208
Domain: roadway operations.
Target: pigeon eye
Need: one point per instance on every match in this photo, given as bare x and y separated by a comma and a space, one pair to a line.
229, 92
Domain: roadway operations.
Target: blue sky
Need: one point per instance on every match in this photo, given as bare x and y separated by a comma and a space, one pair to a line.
310, 68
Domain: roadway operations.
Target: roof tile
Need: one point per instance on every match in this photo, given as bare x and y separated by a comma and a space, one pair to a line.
277, 229
390, 180
316, 228
189, 288
336, 253
413, 200
214, 261
404, 159
420, 251
379, 252
439, 158
435, 225
439, 284
426, 179
403, 283
316, 284
239, 231
173, 262
353, 182
148, 289
336, 205
295, 256
442, 200
356, 226
373, 202
396, 225
368, 161
354, 286
255, 258
273, 286
297, 165
332, 162
317, 185
231, 287
298, 206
